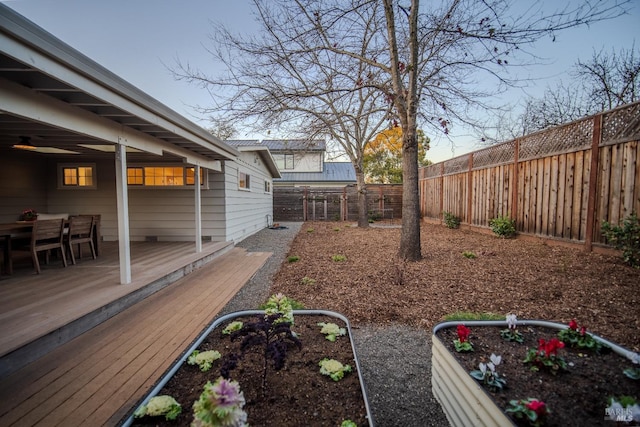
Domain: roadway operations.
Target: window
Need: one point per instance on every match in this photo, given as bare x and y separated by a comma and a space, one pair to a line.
288, 161
284, 161
267, 187
163, 176
77, 176
244, 181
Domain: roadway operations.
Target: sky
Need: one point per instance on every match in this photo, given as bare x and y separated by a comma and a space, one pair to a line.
139, 39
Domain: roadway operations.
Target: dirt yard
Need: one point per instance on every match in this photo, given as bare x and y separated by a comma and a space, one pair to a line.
528, 278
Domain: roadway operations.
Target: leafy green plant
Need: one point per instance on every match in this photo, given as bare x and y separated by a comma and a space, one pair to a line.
450, 220
332, 331
271, 336
232, 327
488, 375
546, 356
531, 409
283, 305
468, 254
578, 338
511, 333
308, 281
220, 404
625, 237
293, 258
471, 315
333, 368
633, 373
160, 405
339, 258
462, 344
503, 226
348, 423
203, 359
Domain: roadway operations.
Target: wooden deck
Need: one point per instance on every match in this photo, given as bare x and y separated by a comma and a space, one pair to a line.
97, 377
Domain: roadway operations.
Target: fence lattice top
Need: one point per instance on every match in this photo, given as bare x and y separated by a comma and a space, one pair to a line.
618, 125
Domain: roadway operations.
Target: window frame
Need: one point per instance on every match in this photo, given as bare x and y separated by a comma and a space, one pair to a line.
204, 182
246, 181
61, 176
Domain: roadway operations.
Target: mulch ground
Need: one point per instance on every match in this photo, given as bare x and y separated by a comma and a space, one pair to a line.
529, 278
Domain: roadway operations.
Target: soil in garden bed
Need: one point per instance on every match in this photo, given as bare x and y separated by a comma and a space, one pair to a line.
576, 397
297, 395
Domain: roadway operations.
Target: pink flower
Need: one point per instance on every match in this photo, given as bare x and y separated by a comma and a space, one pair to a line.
537, 406
573, 325
463, 333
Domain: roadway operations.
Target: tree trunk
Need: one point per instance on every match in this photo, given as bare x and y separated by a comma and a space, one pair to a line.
363, 214
410, 248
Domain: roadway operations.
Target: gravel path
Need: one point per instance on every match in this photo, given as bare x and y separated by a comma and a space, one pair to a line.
395, 359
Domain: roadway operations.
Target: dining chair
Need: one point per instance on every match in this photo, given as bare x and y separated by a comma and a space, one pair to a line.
46, 235
80, 231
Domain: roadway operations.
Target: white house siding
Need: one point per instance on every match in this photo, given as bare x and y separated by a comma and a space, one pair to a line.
246, 210
310, 161
154, 214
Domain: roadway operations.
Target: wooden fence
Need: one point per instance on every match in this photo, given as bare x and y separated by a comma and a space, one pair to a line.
334, 203
560, 183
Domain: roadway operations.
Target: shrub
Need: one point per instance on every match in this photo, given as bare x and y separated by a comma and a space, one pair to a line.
625, 237
293, 258
503, 226
308, 280
450, 220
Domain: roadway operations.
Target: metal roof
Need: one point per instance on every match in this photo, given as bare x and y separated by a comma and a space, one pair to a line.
54, 72
295, 145
333, 172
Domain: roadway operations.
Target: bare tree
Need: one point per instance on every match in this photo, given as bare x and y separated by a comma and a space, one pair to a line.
610, 79
283, 80
606, 81
343, 68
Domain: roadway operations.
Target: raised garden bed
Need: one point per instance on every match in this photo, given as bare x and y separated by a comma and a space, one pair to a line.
575, 397
295, 395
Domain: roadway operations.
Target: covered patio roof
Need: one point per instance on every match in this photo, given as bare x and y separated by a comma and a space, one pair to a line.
53, 97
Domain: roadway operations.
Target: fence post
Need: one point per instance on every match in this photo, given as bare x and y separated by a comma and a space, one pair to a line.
593, 182
470, 190
305, 204
514, 191
440, 214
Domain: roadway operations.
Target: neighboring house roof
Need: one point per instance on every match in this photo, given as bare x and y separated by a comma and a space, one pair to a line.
295, 145
333, 172
266, 157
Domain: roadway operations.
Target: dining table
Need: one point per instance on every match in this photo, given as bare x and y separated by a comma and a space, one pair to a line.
22, 230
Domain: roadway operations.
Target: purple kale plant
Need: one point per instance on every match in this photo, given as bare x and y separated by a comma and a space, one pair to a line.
267, 335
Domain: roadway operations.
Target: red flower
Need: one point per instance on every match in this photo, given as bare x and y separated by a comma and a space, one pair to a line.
573, 325
463, 333
550, 347
583, 331
537, 406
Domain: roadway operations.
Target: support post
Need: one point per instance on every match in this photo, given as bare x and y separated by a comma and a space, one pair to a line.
593, 182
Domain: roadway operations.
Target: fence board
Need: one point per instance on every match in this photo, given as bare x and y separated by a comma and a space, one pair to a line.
543, 180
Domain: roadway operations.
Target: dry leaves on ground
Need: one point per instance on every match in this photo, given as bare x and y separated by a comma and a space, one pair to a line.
529, 278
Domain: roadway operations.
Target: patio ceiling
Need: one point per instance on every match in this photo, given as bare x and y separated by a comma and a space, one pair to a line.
38, 66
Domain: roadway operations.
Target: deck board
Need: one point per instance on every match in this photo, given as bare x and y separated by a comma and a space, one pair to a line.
98, 377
